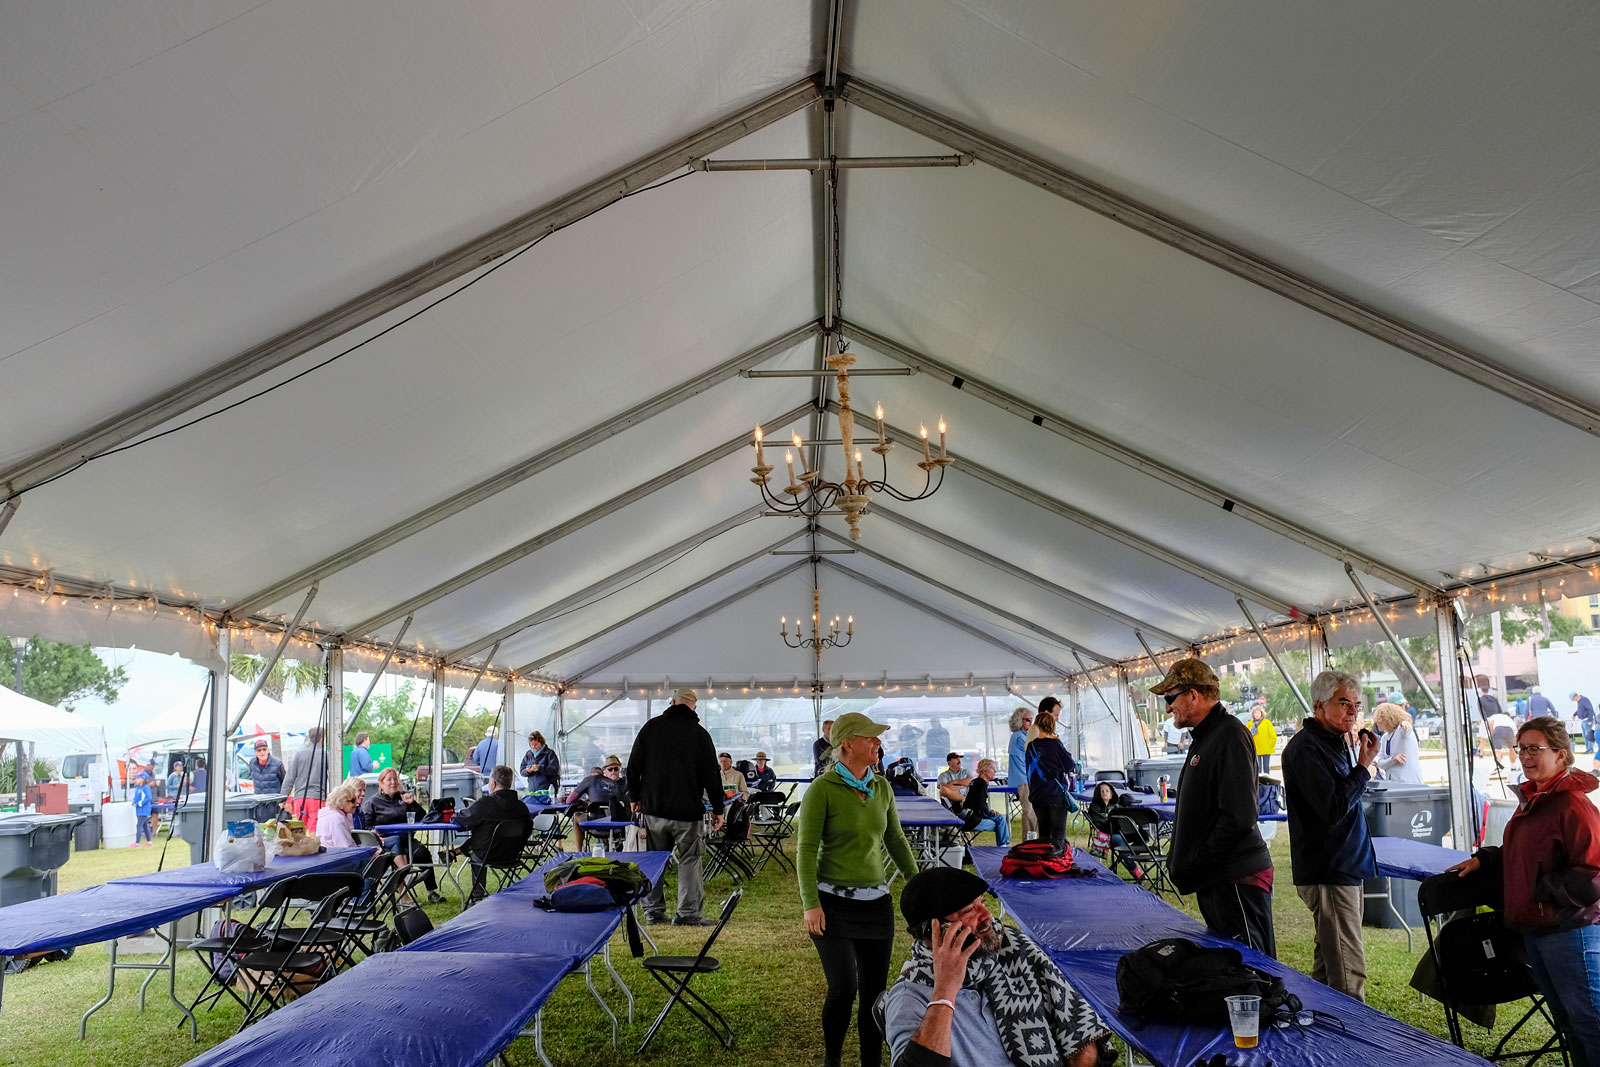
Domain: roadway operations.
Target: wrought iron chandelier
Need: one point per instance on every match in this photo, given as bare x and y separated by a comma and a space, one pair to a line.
818, 640
810, 495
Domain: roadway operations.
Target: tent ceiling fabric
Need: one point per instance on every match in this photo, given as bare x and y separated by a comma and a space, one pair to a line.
190, 184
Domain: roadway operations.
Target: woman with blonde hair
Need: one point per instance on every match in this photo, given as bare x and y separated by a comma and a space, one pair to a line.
1049, 768
1398, 757
333, 823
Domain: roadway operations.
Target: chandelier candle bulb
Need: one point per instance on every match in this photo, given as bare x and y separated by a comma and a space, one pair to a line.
941, 438
880, 425
926, 458
760, 462
788, 457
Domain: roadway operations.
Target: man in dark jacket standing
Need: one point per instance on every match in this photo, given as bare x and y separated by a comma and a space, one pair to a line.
1326, 768
672, 772
1217, 852
500, 826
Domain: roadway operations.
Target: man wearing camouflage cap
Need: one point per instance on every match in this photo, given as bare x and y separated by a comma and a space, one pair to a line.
1217, 852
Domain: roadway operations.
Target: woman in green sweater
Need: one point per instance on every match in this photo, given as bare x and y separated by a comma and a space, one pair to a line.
846, 820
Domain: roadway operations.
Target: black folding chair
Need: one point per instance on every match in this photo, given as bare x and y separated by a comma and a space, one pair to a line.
299, 958
364, 918
1143, 850
674, 973
220, 953
1477, 960
505, 857
769, 835
726, 850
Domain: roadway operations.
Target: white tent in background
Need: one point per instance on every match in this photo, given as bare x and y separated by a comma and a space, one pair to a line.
52, 732
177, 723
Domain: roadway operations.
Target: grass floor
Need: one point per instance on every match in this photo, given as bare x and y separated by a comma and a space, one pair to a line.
770, 987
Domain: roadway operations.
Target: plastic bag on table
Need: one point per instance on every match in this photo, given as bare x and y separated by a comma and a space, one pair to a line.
239, 848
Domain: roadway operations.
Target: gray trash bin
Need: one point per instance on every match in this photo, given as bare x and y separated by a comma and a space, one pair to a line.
462, 783
1147, 772
1416, 813
32, 849
86, 838
189, 822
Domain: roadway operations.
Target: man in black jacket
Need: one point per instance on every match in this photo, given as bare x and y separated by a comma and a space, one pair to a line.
1326, 768
1217, 852
500, 825
672, 772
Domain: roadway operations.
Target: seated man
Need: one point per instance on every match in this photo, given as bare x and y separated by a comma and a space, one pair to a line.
592, 797
761, 778
500, 825
953, 781
979, 994
975, 812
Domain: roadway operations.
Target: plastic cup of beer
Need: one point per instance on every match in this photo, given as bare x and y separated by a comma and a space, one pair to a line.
1244, 1015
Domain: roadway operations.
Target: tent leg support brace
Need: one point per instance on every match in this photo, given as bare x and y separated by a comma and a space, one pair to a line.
1251, 619
1383, 624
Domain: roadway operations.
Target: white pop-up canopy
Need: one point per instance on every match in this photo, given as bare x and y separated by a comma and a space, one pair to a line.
444, 316
52, 731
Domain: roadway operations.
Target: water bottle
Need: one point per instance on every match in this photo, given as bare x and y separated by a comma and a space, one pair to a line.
597, 846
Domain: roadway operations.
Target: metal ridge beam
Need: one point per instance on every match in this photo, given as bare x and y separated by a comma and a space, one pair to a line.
1005, 566
1137, 542
679, 625
1076, 432
946, 618
1211, 249
928, 682
520, 472
978, 602
398, 291
568, 603
570, 526
533, 665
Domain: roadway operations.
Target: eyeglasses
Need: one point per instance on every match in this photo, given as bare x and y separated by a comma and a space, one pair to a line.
1532, 750
1348, 704
1172, 697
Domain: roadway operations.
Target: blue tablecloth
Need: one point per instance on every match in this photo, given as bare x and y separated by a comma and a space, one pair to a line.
1086, 925
924, 811
393, 828
1400, 857
537, 808
445, 1009
335, 860
508, 921
100, 913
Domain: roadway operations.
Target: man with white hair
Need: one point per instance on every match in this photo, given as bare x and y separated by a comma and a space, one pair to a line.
1539, 704
1326, 768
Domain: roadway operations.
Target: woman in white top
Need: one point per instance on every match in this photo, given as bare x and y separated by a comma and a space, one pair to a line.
333, 823
1398, 757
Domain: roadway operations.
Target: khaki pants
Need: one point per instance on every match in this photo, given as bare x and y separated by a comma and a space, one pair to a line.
688, 848
1339, 959
1030, 821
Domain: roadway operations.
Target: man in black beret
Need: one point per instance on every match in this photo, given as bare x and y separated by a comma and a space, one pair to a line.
979, 994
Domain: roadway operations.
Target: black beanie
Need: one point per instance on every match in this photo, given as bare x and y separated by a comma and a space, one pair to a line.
937, 892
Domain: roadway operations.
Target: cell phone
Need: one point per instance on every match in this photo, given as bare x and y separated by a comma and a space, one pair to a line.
1366, 734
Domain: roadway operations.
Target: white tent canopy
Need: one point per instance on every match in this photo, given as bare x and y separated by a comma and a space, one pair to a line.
1223, 302
51, 731
177, 724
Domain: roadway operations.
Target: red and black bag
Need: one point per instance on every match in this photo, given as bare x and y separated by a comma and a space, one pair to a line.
1039, 859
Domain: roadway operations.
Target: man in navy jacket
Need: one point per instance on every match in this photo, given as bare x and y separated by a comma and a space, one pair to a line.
1326, 767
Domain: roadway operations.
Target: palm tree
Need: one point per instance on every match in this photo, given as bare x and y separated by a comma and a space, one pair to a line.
302, 675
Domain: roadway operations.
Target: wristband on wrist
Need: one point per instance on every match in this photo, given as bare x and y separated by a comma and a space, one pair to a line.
947, 1003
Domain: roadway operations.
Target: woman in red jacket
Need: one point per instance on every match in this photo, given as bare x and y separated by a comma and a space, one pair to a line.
1550, 868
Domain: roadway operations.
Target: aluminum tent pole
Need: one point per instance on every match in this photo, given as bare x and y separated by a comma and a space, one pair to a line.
8, 511
1151, 653
1457, 729
1125, 698
272, 661
1383, 624
510, 723
217, 748
387, 656
1317, 647
1087, 680
334, 739
436, 746
1273, 656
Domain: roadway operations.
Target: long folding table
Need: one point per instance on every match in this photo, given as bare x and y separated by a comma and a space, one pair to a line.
1086, 925
508, 921
146, 902
1400, 857
922, 818
447, 1009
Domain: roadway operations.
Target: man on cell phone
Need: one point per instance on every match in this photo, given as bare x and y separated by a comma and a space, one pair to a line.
977, 993
1326, 767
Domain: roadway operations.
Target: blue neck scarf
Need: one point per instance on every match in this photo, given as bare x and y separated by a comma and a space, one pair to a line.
863, 783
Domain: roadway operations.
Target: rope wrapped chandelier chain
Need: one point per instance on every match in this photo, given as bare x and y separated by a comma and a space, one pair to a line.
810, 495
